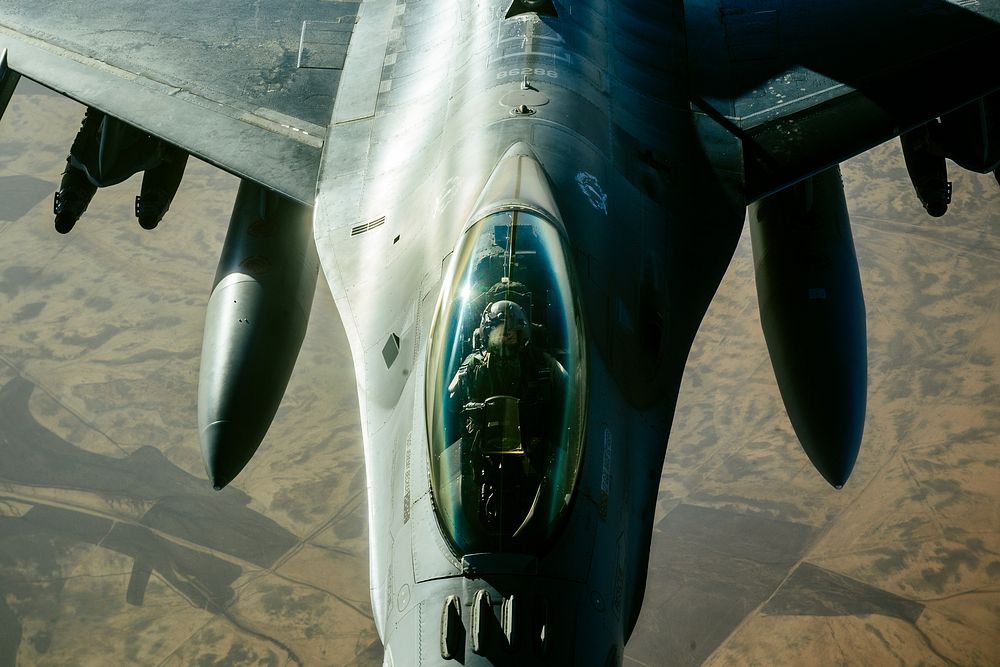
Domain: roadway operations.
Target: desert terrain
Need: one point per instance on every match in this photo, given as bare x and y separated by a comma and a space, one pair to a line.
114, 549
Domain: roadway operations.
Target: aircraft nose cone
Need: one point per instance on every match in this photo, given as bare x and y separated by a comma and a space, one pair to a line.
224, 448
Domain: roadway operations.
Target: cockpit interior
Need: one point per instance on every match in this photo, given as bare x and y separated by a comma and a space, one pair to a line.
505, 386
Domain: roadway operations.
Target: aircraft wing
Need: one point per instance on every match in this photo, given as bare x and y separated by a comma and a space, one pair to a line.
805, 84
193, 72
802, 84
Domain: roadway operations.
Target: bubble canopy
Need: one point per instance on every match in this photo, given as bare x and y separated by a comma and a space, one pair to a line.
505, 386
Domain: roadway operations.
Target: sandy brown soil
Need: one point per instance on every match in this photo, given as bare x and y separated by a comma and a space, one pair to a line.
114, 550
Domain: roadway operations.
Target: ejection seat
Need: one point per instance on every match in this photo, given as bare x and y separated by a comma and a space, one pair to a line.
501, 427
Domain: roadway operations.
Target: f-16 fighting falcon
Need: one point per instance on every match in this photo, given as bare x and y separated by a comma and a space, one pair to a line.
523, 210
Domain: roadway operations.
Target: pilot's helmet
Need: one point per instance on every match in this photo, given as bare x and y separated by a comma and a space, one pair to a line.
505, 327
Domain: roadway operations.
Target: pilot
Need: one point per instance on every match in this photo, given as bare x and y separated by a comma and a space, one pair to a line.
107, 151
495, 368
507, 364
506, 331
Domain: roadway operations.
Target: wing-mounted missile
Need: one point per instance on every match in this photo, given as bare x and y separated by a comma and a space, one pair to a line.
969, 136
8, 82
257, 317
925, 164
107, 151
813, 315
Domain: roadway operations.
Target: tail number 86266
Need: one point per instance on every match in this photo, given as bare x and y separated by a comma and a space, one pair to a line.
527, 71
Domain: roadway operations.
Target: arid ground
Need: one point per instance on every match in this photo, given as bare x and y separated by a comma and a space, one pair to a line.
115, 550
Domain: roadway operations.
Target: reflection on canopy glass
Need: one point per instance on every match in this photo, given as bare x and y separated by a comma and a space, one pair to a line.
505, 387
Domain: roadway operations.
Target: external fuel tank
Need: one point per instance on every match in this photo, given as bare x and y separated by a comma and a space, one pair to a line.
813, 315
256, 320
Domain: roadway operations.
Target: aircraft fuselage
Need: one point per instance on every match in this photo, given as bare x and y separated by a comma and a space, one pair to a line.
648, 226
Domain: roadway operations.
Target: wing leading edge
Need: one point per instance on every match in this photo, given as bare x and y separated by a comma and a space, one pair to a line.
805, 85
249, 88
802, 84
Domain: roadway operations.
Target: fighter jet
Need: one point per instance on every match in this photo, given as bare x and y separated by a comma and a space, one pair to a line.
523, 210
